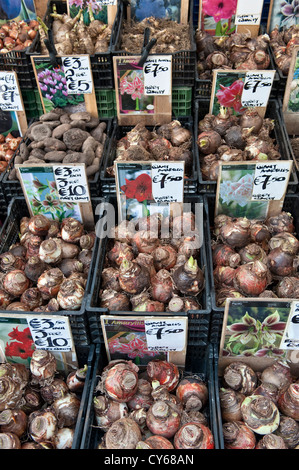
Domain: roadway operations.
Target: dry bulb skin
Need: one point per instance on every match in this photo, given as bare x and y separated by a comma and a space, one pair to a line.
260, 414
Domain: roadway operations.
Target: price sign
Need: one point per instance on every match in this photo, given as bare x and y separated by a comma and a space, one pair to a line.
51, 333
290, 339
157, 72
168, 181
248, 13
106, 2
71, 183
77, 71
257, 88
166, 335
270, 180
10, 96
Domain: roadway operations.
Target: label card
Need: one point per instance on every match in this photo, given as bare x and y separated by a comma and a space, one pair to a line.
255, 190
144, 188
238, 89
77, 71
290, 107
271, 180
10, 96
71, 182
166, 335
249, 13
157, 72
290, 339
168, 181
257, 89
52, 333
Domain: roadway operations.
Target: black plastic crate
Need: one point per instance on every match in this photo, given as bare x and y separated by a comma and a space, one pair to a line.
282, 79
291, 204
101, 62
198, 320
108, 183
183, 62
288, 137
279, 134
12, 188
9, 235
199, 361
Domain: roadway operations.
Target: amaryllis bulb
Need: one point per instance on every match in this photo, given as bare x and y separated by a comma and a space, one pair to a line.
278, 374
121, 381
54, 390
123, 434
107, 411
71, 230
14, 420
70, 295
189, 278
133, 277
193, 393
42, 367
237, 435
39, 225
163, 418
194, 436
42, 425
166, 373
63, 438
50, 251
66, 410
230, 403
32, 297
15, 282
260, 414
49, 282
288, 401
76, 379
155, 442
271, 441
288, 429
240, 377
9, 440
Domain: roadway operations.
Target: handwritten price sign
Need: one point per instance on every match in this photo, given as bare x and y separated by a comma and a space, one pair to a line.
51, 333
71, 183
166, 335
157, 72
10, 97
257, 88
271, 180
78, 75
168, 181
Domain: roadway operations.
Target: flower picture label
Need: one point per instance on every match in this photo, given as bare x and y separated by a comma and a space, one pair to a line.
10, 96
77, 71
52, 333
168, 181
257, 88
271, 180
157, 72
166, 335
71, 183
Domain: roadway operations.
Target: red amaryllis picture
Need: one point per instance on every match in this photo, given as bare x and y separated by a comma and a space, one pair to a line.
21, 344
230, 96
215, 12
140, 188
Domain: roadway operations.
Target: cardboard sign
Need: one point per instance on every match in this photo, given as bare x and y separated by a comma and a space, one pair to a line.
263, 323
77, 71
166, 334
157, 72
42, 197
71, 183
11, 104
248, 16
53, 87
51, 333
133, 105
126, 337
176, 10
21, 333
290, 107
144, 188
102, 10
250, 89
257, 89
255, 190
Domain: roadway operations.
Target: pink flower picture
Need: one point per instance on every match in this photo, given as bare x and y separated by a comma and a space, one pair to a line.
230, 96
